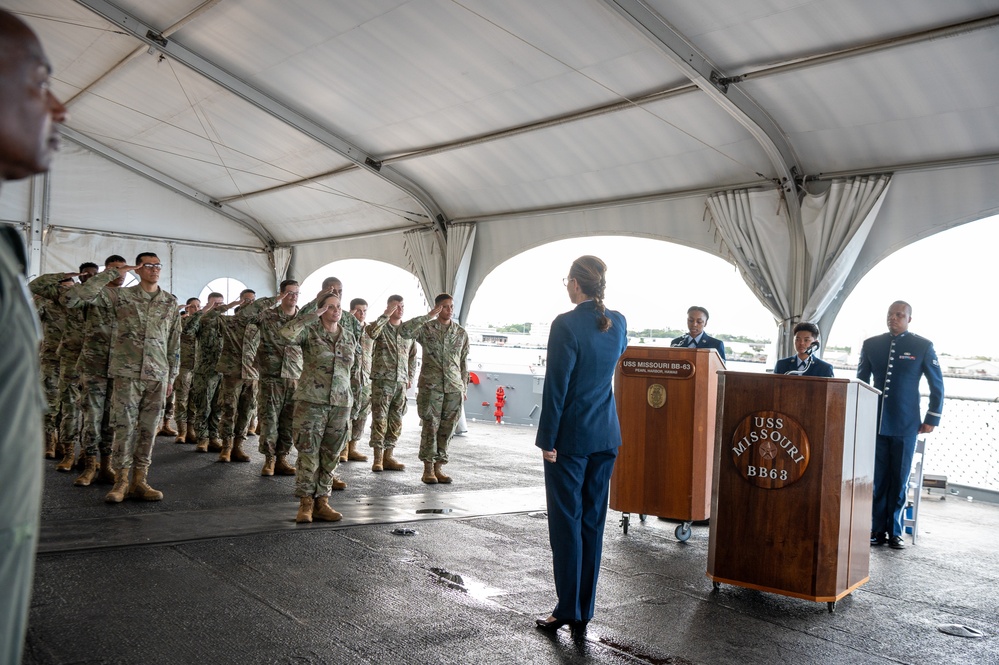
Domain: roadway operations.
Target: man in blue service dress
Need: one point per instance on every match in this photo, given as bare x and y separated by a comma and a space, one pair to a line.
696, 338
29, 114
896, 360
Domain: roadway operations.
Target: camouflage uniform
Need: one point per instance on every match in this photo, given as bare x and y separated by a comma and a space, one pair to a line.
145, 357
442, 384
322, 401
360, 388
393, 366
183, 406
96, 382
205, 380
53, 323
68, 353
280, 365
238, 393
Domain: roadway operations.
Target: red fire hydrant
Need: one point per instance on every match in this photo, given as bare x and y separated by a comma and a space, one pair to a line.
500, 401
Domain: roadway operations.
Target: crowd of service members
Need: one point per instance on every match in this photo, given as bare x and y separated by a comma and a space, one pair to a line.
120, 363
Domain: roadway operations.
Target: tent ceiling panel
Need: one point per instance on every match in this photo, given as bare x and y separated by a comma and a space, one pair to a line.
80, 45
403, 75
190, 126
675, 145
83, 199
747, 34
330, 207
912, 108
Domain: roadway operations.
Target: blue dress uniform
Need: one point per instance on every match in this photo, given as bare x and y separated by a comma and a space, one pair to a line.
818, 367
702, 341
896, 363
579, 421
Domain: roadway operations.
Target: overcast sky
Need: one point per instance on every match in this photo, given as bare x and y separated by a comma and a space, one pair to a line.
950, 280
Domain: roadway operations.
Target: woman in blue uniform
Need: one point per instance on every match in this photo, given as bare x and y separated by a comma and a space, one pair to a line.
579, 436
805, 362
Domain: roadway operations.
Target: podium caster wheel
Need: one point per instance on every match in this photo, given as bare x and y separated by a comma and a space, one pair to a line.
683, 532
624, 523
641, 517
832, 606
715, 586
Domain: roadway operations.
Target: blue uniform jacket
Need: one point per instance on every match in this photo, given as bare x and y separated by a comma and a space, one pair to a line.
896, 363
818, 367
706, 342
578, 415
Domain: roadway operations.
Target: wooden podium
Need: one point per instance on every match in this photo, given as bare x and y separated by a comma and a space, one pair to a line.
793, 479
666, 400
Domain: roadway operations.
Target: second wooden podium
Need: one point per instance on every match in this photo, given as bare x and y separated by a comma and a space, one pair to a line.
666, 400
793, 477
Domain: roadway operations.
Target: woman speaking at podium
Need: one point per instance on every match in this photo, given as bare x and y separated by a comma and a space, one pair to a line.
579, 435
805, 362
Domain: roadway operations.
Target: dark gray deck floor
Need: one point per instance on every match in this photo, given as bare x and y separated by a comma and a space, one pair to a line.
219, 573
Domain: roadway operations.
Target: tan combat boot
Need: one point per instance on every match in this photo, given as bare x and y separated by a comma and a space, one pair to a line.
215, 444
237, 451
353, 454
376, 465
268, 469
105, 475
181, 432
89, 472
192, 435
139, 489
66, 463
323, 512
226, 453
117, 493
343, 454
337, 484
50, 444
428, 474
304, 515
389, 463
439, 472
166, 430
282, 468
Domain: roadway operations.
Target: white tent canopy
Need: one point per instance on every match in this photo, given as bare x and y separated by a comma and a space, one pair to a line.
803, 141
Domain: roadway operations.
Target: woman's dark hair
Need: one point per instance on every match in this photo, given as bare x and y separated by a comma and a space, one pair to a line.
588, 271
807, 327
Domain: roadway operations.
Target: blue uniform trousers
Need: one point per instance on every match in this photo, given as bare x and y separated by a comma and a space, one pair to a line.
576, 488
892, 466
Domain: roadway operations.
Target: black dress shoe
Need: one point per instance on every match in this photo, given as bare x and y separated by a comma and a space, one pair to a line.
895, 542
551, 623
878, 538
578, 628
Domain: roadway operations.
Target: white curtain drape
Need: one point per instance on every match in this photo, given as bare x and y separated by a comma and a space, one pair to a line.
460, 242
753, 225
836, 226
281, 261
425, 260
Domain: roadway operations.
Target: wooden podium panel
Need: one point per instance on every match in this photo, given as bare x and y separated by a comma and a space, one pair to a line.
666, 400
793, 481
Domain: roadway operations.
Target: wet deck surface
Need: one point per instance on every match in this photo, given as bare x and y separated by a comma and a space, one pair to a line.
219, 572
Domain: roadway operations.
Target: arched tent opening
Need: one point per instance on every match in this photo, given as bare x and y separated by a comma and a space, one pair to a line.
947, 279
374, 281
651, 282
229, 287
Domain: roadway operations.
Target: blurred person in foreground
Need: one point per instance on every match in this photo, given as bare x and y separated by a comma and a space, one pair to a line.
29, 113
579, 435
